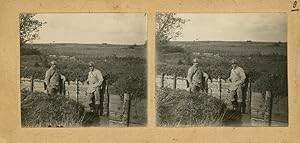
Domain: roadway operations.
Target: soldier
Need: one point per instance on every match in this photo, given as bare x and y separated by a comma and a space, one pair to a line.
94, 81
237, 79
197, 79
52, 80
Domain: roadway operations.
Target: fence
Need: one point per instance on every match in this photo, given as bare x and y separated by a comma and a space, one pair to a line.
217, 88
111, 106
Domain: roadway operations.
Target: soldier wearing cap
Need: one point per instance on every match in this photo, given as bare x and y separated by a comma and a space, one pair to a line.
94, 81
237, 78
197, 79
53, 79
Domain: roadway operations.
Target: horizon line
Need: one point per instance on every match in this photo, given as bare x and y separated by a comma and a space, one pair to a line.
227, 41
86, 43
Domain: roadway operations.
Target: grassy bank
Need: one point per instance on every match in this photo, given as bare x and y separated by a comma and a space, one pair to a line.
181, 108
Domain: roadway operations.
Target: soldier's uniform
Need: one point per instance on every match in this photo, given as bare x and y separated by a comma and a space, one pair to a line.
237, 78
53, 81
197, 78
94, 80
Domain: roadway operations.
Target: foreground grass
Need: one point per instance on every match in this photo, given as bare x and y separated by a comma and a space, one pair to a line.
179, 108
42, 110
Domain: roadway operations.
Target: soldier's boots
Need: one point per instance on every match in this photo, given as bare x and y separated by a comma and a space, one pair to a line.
237, 106
97, 106
92, 107
239, 109
234, 105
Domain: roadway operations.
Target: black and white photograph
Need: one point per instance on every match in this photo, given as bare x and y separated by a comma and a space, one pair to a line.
221, 69
83, 70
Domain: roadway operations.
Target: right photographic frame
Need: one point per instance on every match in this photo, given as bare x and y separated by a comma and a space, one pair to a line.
221, 69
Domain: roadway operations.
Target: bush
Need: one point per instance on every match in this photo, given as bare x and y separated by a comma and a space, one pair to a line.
180, 62
275, 83
134, 84
181, 108
113, 67
41, 110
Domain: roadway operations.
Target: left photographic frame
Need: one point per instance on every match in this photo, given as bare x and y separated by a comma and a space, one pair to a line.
83, 70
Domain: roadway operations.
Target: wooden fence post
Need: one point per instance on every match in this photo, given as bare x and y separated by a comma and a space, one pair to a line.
102, 92
108, 100
211, 81
268, 108
220, 87
162, 79
126, 109
175, 80
64, 88
77, 90
31, 83
248, 98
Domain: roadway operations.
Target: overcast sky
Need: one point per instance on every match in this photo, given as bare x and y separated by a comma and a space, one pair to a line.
235, 27
115, 28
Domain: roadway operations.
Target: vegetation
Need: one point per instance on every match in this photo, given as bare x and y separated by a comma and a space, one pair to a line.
39, 109
125, 70
265, 64
29, 28
90, 50
168, 27
182, 108
115, 67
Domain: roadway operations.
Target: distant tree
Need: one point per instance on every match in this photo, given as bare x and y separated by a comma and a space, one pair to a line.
29, 28
168, 27
132, 46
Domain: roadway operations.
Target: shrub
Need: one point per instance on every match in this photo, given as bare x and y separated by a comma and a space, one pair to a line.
36, 64
133, 83
275, 83
132, 46
180, 62
41, 110
113, 67
181, 108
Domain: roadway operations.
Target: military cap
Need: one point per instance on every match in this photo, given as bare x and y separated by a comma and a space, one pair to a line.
91, 64
196, 60
53, 62
233, 61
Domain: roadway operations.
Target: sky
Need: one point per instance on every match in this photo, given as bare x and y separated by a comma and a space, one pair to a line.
266, 27
112, 28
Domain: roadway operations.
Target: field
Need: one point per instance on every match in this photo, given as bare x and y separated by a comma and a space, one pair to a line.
258, 59
265, 63
234, 48
115, 62
92, 50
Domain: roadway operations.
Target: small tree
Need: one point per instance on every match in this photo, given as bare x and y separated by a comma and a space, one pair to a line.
29, 28
168, 27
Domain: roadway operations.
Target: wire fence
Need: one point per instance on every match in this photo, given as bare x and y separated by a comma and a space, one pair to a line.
257, 105
112, 106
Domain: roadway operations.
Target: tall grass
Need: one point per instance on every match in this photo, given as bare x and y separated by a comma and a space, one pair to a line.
42, 110
181, 108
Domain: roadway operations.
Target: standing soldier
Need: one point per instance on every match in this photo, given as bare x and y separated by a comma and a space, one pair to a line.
52, 80
197, 79
94, 81
237, 78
